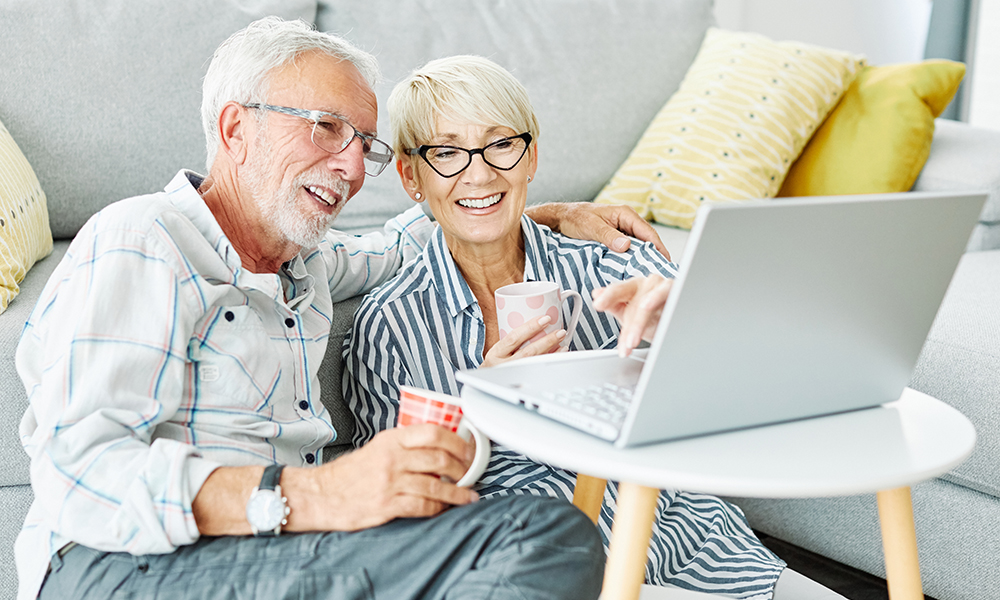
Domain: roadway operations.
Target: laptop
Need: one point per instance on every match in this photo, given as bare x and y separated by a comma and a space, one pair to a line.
783, 309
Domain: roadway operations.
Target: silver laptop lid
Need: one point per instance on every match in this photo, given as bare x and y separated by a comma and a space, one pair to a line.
797, 307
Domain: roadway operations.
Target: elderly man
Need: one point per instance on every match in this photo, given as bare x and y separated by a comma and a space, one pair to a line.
175, 428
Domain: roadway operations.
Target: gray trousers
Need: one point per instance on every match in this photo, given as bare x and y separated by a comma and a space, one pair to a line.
519, 547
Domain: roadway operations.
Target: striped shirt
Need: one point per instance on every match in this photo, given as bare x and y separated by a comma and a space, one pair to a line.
153, 357
424, 326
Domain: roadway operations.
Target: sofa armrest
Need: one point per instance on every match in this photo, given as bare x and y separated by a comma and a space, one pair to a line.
964, 157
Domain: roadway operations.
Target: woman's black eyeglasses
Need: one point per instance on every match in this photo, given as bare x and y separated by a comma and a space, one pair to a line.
448, 161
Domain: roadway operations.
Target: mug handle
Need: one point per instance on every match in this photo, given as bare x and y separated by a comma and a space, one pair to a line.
482, 459
574, 316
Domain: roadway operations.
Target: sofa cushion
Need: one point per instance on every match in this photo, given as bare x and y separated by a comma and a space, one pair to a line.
15, 399
104, 98
878, 137
960, 363
332, 374
986, 236
967, 158
744, 111
958, 534
596, 73
14, 503
24, 218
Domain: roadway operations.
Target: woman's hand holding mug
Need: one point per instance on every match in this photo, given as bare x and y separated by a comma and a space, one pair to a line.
530, 322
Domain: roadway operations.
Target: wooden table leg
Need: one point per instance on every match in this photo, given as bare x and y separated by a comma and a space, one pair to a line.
626, 566
899, 544
588, 495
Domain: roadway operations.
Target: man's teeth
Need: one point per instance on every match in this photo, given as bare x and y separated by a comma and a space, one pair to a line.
480, 203
323, 194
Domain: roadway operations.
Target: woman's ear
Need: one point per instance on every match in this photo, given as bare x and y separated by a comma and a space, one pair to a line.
533, 161
408, 177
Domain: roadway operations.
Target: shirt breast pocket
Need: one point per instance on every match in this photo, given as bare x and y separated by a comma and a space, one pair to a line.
236, 363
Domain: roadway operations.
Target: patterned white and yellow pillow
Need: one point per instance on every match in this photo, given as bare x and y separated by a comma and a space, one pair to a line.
742, 115
25, 236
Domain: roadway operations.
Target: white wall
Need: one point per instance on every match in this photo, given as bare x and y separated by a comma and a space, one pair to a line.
984, 98
886, 31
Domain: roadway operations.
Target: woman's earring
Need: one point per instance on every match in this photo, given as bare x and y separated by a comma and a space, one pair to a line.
418, 196
529, 178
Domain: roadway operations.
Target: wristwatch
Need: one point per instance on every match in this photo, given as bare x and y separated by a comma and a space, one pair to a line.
267, 509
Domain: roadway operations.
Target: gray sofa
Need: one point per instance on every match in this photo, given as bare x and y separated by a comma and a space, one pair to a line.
103, 101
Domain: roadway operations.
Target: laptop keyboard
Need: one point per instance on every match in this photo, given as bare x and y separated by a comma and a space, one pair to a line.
599, 409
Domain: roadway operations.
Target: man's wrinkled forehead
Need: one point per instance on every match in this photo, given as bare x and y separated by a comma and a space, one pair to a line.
317, 81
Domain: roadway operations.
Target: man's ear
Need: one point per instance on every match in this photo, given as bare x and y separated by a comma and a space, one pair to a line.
408, 177
233, 132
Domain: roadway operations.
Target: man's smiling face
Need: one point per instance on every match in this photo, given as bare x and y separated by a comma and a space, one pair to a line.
300, 188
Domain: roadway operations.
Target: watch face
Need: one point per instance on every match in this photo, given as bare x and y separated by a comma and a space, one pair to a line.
265, 510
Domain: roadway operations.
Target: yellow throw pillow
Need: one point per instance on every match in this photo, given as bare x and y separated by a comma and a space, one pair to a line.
25, 236
744, 111
879, 136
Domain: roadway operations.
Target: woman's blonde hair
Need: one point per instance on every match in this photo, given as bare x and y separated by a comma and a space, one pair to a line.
469, 88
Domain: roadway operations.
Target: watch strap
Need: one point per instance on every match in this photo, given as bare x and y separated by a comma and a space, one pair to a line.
269, 482
271, 477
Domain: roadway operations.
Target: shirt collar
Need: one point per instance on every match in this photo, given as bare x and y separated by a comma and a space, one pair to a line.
452, 285
293, 283
446, 276
536, 264
183, 193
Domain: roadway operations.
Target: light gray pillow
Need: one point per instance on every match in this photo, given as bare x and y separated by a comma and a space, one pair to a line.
103, 98
597, 72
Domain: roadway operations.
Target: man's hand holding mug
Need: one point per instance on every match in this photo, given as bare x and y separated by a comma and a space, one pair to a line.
424, 406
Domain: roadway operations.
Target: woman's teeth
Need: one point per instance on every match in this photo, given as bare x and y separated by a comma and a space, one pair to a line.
480, 203
323, 195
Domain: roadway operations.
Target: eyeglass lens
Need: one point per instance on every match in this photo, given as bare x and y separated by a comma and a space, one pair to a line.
334, 135
502, 154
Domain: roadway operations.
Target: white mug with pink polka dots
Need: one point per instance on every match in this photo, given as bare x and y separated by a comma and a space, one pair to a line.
518, 303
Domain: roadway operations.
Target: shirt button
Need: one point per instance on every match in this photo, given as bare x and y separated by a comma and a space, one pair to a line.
303, 405
310, 458
290, 322
229, 315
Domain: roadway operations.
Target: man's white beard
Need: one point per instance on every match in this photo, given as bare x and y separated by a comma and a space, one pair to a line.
304, 231
280, 207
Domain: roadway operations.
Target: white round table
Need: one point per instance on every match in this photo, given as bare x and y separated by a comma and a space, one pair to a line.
883, 449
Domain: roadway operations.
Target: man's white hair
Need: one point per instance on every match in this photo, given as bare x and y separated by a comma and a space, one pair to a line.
241, 67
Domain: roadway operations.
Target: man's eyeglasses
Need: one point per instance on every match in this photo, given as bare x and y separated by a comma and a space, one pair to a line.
448, 161
334, 133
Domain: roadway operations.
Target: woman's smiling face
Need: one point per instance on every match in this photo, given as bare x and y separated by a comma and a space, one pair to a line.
480, 205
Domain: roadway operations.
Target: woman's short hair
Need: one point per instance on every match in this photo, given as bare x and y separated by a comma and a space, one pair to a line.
468, 88
241, 67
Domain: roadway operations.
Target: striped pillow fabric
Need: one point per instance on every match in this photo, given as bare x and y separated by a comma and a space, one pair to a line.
25, 236
742, 115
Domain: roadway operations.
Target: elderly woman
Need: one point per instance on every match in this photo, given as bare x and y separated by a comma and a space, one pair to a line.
466, 137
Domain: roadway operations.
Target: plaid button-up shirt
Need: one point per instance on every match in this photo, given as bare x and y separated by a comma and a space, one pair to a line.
153, 357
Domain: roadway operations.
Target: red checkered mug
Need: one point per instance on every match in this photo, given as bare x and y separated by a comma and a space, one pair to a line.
425, 406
